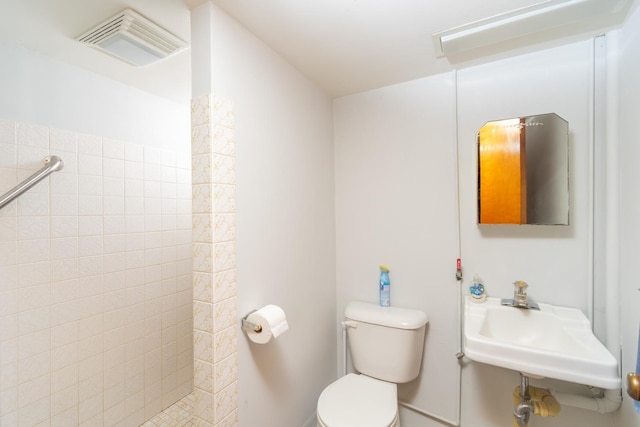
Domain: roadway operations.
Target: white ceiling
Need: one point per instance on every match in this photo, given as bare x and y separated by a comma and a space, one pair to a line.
346, 46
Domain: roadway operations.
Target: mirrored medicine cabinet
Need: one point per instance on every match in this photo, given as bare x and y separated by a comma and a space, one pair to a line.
523, 171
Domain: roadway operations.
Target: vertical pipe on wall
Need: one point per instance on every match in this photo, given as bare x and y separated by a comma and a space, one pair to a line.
459, 244
591, 194
612, 305
598, 190
606, 183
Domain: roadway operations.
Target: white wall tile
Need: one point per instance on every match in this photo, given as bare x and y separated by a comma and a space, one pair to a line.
64, 269
153, 223
169, 190
33, 227
30, 392
40, 188
65, 291
7, 131
152, 172
64, 356
113, 186
90, 185
33, 297
90, 245
69, 160
30, 159
64, 184
90, 205
33, 344
32, 367
89, 165
133, 170
9, 178
90, 265
114, 243
114, 262
92, 386
113, 205
152, 155
153, 205
90, 225
9, 302
35, 413
90, 144
33, 204
63, 400
113, 168
62, 248
90, 410
32, 135
114, 224
134, 152
8, 229
169, 174
63, 140
30, 251
134, 205
153, 274
64, 334
114, 149
134, 188
36, 273
152, 189
64, 204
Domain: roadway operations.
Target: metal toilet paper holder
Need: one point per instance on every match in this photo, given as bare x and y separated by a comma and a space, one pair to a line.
250, 326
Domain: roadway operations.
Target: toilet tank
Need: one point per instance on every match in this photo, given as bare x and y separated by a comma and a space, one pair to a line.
386, 342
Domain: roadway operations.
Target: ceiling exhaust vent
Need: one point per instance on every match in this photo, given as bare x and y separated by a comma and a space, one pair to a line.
133, 38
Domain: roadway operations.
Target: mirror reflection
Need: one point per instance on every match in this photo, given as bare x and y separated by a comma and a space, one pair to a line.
523, 171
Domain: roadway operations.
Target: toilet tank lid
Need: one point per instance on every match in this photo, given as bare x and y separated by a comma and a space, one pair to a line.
394, 317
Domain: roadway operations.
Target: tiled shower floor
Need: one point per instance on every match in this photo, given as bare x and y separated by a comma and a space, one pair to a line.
177, 415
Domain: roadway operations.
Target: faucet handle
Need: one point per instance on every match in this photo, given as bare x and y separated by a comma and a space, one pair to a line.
520, 289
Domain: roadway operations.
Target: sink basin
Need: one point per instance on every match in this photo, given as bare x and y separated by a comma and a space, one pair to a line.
554, 342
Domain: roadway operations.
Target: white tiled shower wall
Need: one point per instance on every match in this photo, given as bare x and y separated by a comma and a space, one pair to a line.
95, 280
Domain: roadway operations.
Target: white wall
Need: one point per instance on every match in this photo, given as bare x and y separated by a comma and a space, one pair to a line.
395, 204
629, 105
286, 232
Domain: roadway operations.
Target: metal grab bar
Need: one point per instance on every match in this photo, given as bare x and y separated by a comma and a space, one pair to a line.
51, 164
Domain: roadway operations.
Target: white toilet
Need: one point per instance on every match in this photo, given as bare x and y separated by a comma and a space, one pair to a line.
386, 346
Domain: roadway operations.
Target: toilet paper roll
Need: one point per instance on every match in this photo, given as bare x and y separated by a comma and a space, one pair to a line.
272, 320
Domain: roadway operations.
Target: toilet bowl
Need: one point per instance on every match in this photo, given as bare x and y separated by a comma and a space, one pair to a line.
386, 346
358, 401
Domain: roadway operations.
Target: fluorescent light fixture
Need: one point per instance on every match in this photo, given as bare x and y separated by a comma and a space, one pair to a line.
534, 19
133, 38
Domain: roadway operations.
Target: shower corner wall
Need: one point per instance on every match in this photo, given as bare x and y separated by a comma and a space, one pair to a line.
215, 331
96, 280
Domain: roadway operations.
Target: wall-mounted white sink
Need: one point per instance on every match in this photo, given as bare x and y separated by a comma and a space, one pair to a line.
554, 342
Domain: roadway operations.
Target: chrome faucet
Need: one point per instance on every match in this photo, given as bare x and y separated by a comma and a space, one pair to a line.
520, 297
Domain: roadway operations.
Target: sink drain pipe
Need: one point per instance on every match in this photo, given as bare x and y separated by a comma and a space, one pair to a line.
524, 408
610, 401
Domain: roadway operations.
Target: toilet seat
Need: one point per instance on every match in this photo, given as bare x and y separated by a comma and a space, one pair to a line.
358, 401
